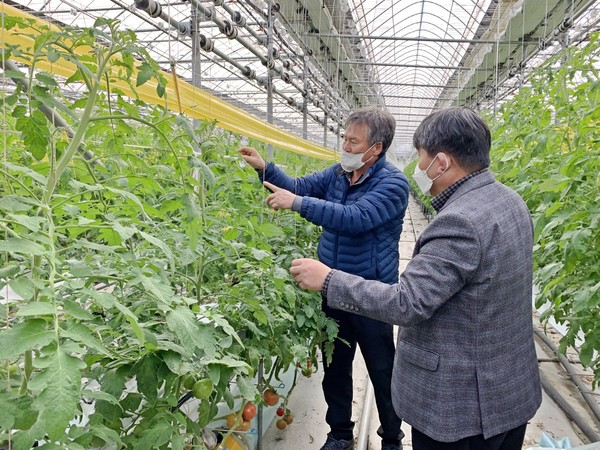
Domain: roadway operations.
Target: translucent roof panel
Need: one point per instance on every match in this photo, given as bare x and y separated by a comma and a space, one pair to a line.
416, 45
328, 57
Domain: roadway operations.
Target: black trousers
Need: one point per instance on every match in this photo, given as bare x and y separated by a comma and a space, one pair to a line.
376, 341
511, 440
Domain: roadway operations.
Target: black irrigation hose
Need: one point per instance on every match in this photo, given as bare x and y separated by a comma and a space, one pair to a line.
569, 411
591, 401
182, 400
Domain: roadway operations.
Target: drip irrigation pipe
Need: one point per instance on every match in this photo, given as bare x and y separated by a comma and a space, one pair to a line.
568, 410
365, 419
572, 373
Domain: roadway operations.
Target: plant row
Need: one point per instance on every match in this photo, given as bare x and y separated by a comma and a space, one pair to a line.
139, 263
546, 146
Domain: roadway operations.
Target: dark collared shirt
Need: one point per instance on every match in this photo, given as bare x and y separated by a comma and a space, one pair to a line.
440, 200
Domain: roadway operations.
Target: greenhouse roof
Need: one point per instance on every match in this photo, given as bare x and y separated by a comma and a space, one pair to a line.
329, 57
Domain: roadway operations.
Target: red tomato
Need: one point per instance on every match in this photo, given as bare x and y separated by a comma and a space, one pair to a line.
249, 411
271, 397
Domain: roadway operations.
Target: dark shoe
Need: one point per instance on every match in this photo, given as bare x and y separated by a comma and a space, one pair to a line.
391, 446
338, 444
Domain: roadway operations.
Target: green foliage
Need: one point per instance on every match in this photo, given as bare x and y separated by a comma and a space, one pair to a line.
131, 272
423, 200
546, 146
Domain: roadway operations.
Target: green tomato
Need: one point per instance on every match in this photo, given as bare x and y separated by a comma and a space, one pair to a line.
202, 388
10, 369
188, 381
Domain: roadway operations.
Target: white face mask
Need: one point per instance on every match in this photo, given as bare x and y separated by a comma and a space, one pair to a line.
353, 161
422, 179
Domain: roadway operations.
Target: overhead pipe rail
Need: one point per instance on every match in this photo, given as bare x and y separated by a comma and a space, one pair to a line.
309, 55
154, 9
195, 102
269, 62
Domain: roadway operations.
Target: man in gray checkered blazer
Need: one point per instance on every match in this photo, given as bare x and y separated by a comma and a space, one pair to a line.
465, 372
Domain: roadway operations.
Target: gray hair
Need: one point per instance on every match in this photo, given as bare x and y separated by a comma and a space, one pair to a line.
459, 131
380, 123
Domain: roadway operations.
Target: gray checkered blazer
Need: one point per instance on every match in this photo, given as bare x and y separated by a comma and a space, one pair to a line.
465, 357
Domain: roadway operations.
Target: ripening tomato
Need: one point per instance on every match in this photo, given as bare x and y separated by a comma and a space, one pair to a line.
271, 397
307, 372
249, 411
280, 411
281, 424
233, 421
245, 426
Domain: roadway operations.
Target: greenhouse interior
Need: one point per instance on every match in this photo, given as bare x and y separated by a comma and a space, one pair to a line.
149, 284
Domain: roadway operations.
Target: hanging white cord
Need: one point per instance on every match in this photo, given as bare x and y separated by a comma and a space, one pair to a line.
522, 64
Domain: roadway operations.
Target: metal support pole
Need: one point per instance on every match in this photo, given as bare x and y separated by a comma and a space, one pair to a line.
325, 102
338, 133
196, 56
305, 103
259, 416
270, 62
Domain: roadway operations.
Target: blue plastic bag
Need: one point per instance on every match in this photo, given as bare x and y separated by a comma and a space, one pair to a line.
549, 442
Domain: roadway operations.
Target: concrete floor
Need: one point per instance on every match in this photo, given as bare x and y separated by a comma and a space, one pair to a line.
309, 430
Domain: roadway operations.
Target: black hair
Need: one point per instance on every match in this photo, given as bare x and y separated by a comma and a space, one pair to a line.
459, 131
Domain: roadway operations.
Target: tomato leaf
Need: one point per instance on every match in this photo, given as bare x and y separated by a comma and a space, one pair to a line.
24, 336
247, 389
18, 245
191, 334
60, 386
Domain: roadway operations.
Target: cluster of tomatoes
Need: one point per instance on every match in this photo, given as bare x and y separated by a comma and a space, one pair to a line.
235, 422
201, 389
271, 398
285, 418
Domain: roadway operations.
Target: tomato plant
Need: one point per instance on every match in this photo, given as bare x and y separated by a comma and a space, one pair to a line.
546, 147
138, 267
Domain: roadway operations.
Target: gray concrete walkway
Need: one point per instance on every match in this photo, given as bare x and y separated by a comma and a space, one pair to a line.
309, 430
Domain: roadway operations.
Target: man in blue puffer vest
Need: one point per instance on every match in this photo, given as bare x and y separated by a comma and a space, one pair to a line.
360, 205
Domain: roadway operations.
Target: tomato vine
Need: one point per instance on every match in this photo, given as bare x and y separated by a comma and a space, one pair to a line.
153, 265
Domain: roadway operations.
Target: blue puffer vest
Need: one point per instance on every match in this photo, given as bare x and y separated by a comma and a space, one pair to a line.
361, 222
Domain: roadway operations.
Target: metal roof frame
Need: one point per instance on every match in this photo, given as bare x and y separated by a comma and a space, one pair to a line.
332, 56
